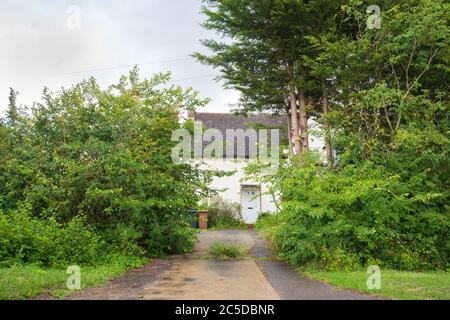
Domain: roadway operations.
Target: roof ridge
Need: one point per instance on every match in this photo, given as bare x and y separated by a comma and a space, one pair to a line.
239, 115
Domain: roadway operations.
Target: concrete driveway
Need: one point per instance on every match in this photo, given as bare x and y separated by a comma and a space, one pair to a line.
196, 276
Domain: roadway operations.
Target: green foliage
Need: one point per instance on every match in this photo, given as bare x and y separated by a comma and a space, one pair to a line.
266, 46
267, 222
12, 114
386, 199
224, 251
25, 239
223, 214
92, 166
362, 215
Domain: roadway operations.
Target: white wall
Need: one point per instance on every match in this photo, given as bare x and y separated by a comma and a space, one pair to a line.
232, 184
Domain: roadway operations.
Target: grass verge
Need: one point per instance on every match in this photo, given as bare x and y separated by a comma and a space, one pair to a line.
399, 285
21, 282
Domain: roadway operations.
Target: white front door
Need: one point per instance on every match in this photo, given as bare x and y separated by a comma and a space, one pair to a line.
250, 205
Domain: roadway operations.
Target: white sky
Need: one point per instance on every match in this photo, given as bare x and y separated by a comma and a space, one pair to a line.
37, 48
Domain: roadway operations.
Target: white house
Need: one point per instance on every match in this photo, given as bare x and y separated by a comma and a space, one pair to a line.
252, 197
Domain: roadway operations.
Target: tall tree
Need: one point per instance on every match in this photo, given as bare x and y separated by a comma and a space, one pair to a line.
394, 77
12, 113
267, 56
263, 60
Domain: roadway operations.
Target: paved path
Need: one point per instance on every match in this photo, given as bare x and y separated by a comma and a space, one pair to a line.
195, 276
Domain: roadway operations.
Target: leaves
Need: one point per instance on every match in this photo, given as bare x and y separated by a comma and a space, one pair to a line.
104, 155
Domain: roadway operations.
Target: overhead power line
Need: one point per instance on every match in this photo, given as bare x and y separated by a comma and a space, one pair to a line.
198, 77
126, 66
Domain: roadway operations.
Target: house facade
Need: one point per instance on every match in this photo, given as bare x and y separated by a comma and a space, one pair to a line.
252, 197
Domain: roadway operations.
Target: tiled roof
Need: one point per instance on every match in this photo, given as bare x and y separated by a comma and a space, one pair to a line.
224, 121
228, 121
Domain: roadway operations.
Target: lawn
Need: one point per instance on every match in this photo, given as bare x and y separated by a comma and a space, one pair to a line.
23, 282
394, 284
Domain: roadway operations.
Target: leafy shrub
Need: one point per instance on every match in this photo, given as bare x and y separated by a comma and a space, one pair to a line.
224, 215
360, 215
223, 251
267, 222
97, 164
177, 237
25, 239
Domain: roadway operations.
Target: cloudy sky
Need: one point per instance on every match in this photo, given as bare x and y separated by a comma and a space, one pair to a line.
41, 45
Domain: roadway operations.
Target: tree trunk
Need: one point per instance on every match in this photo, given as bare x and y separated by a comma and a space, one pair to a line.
326, 110
295, 126
304, 138
288, 113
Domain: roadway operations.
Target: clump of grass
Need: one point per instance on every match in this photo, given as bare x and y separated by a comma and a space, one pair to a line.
223, 251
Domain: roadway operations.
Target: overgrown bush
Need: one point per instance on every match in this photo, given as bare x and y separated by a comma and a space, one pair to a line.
224, 214
383, 197
24, 239
95, 166
267, 222
361, 215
